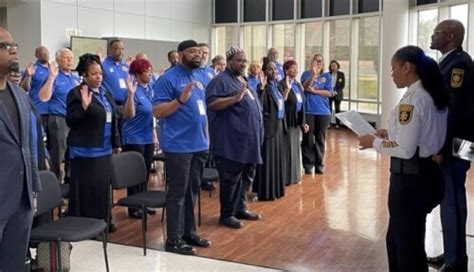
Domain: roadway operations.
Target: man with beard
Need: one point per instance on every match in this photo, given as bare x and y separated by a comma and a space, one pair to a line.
234, 117
18, 164
456, 66
179, 102
33, 80
115, 71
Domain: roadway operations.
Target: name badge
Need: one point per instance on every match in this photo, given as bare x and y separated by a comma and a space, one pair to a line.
108, 117
122, 83
202, 109
299, 98
280, 104
249, 92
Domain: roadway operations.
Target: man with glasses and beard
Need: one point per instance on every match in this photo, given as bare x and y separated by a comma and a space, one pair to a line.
234, 117
179, 102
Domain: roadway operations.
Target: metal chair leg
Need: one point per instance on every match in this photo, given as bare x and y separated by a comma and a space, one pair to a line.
144, 231
199, 206
104, 245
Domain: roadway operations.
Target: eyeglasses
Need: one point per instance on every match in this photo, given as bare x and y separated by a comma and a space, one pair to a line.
8, 46
436, 32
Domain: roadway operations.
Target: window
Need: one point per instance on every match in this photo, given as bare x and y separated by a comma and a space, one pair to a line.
460, 12
282, 10
255, 42
311, 8
226, 36
427, 21
312, 40
225, 11
284, 41
339, 7
425, 2
363, 6
339, 49
254, 11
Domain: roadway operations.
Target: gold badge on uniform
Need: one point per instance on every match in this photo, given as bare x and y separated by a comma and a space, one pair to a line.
389, 144
199, 85
457, 76
405, 113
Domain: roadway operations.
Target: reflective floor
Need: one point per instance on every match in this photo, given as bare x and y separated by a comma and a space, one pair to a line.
331, 222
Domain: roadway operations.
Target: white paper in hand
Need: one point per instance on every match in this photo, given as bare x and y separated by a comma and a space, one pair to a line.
353, 120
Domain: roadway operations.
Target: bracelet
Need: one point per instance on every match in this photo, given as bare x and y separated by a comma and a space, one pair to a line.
179, 101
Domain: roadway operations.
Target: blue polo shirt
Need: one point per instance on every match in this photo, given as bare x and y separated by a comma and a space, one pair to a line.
207, 74
236, 132
184, 131
139, 129
317, 104
37, 81
253, 82
61, 87
115, 79
278, 98
106, 149
280, 74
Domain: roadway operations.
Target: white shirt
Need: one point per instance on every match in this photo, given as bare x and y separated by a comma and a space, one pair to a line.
414, 122
445, 55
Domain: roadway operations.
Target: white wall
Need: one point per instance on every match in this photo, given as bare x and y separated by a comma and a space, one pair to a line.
167, 20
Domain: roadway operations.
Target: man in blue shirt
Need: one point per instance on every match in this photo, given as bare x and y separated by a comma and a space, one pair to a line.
235, 116
173, 59
34, 78
60, 81
115, 72
272, 56
179, 100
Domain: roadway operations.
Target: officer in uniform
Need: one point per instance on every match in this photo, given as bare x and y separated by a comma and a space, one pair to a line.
180, 103
456, 68
416, 132
115, 71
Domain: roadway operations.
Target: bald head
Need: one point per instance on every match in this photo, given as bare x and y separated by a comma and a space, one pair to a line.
447, 35
272, 54
42, 54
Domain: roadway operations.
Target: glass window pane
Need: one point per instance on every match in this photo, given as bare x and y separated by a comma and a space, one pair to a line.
424, 2
282, 10
339, 7
460, 12
226, 36
254, 10
311, 8
368, 62
311, 38
427, 21
255, 42
365, 107
362, 6
344, 105
339, 48
225, 11
284, 41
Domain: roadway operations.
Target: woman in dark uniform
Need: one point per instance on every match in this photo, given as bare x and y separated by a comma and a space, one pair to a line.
270, 178
93, 135
338, 83
292, 92
416, 132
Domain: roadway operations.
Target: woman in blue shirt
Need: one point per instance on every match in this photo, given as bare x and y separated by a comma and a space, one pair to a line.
137, 131
254, 71
318, 88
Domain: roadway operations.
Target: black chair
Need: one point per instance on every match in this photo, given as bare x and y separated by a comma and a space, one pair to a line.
67, 229
210, 175
128, 169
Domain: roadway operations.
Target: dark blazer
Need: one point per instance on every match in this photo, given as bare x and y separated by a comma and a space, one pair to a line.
293, 118
457, 70
269, 111
339, 87
18, 159
87, 126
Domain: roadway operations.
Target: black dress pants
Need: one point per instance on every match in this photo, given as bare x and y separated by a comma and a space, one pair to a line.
314, 142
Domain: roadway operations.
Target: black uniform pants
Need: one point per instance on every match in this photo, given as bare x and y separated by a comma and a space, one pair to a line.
337, 106
235, 180
147, 152
184, 172
58, 130
314, 142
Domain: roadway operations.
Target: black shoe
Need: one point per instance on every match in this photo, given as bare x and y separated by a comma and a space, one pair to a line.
231, 222
319, 170
195, 240
179, 247
136, 214
248, 215
308, 172
150, 211
112, 228
437, 261
207, 186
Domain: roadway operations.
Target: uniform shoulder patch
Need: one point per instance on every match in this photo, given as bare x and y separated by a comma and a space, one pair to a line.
457, 76
405, 113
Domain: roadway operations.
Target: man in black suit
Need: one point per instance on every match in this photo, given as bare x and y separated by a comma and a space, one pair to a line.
19, 179
457, 68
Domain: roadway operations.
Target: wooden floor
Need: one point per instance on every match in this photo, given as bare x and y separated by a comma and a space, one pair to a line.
331, 222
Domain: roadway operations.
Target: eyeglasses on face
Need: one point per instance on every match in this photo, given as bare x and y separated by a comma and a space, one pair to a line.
8, 46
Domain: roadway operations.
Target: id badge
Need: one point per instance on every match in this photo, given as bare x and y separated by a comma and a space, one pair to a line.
280, 104
202, 109
122, 83
249, 92
299, 98
108, 117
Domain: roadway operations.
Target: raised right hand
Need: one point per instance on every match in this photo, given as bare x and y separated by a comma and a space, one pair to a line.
186, 92
30, 69
262, 78
53, 69
239, 95
86, 96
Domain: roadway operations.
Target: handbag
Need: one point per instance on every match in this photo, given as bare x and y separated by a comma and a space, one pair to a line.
46, 256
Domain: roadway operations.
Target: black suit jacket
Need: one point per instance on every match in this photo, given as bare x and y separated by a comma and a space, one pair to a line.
87, 126
339, 87
293, 118
457, 70
269, 112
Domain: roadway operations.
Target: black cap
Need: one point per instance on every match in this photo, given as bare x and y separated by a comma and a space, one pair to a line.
186, 44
